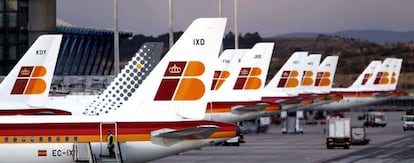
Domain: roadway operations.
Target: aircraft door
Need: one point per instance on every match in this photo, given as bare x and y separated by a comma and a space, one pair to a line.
104, 129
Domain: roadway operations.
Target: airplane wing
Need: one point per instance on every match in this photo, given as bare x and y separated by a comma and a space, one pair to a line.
168, 137
244, 109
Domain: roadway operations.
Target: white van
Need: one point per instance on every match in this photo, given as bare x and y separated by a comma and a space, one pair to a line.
408, 122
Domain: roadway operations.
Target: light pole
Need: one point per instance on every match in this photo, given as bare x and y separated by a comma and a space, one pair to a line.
236, 31
170, 23
116, 39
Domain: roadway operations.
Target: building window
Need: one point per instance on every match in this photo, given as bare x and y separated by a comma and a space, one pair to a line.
1, 19
1, 6
12, 5
14, 139
32, 139
6, 139
41, 139
75, 139
23, 139
12, 19
49, 139
12, 52
58, 139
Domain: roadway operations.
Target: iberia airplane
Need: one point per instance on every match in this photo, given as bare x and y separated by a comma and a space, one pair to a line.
238, 81
26, 87
158, 122
377, 83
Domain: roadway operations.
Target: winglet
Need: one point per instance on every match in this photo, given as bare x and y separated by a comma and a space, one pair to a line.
29, 81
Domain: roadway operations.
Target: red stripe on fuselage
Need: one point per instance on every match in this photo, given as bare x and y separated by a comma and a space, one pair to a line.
43, 111
56, 129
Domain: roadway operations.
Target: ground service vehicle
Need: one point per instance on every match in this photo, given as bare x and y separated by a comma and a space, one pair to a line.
375, 119
338, 132
408, 122
359, 136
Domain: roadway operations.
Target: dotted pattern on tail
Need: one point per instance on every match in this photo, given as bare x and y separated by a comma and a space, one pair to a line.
128, 81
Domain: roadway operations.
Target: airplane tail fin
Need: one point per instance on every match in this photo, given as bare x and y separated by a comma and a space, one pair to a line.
29, 81
395, 73
178, 87
228, 60
380, 81
325, 74
286, 82
248, 76
309, 73
365, 75
128, 80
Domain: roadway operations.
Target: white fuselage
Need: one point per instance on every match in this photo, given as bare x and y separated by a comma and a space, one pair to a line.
64, 152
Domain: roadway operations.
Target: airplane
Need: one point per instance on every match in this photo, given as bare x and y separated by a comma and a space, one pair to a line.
376, 83
162, 120
26, 87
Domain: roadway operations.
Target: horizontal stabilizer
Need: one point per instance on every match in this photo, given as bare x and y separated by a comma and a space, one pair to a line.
381, 95
289, 101
168, 137
244, 109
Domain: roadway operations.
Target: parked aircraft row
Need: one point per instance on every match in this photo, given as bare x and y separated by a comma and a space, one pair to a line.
186, 101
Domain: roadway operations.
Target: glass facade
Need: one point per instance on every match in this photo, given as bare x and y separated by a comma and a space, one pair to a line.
14, 35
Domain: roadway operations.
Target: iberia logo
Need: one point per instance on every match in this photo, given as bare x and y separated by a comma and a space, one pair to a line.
381, 78
366, 77
219, 78
289, 79
179, 82
307, 78
248, 78
393, 78
29, 80
322, 79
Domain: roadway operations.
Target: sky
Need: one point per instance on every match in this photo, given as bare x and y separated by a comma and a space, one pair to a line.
268, 17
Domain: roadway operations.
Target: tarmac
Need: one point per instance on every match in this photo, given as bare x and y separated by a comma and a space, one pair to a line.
388, 144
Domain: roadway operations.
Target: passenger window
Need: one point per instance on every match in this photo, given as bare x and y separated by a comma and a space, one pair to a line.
32, 139
6, 139
23, 139
49, 139
75, 139
41, 139
58, 139
66, 139
14, 139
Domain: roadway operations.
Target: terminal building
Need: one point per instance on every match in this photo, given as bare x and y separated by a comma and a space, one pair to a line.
84, 51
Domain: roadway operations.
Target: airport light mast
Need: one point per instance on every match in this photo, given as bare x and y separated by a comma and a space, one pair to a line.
170, 23
220, 8
116, 39
236, 30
